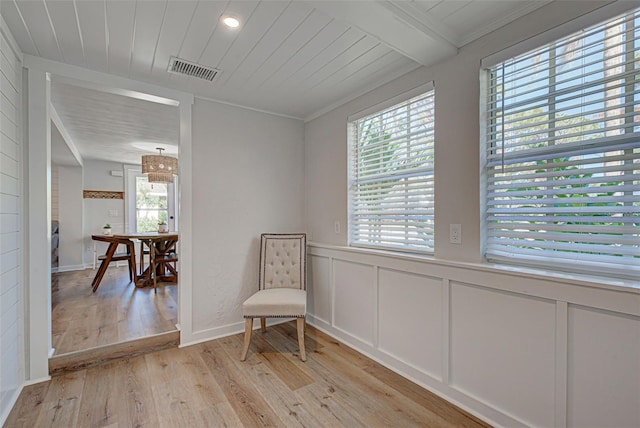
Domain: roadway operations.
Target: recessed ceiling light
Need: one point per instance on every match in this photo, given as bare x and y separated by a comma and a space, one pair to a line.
231, 22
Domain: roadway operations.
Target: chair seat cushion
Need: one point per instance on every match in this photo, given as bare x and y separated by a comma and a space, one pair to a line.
276, 302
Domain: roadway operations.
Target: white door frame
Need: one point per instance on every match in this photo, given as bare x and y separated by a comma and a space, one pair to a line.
38, 285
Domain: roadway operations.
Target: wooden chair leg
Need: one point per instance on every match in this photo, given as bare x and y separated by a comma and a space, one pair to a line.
152, 266
248, 327
141, 258
300, 328
263, 325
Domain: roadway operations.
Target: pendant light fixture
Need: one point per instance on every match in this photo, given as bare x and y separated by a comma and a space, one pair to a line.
159, 168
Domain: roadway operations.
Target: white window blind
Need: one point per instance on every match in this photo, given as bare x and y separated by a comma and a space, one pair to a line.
562, 153
391, 177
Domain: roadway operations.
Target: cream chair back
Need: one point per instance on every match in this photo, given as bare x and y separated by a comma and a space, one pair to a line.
283, 261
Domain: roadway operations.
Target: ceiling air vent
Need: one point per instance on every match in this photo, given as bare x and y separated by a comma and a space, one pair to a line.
181, 66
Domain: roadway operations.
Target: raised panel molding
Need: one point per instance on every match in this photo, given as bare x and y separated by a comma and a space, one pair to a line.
513, 349
502, 351
353, 300
410, 319
318, 288
603, 369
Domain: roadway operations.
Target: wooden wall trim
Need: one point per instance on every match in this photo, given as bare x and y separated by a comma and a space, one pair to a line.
102, 194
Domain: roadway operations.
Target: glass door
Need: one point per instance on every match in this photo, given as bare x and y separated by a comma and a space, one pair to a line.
149, 203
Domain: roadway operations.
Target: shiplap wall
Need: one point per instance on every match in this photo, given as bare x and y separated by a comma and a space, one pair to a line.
516, 349
11, 282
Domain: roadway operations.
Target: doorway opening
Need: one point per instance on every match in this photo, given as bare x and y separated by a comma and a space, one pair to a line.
117, 194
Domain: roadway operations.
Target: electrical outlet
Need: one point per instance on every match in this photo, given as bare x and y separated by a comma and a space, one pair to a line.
455, 234
336, 227
113, 213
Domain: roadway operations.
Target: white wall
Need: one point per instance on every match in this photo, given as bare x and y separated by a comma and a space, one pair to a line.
71, 231
11, 231
55, 195
97, 176
514, 349
247, 179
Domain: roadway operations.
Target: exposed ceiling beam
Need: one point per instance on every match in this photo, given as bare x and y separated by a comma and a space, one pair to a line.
404, 34
55, 118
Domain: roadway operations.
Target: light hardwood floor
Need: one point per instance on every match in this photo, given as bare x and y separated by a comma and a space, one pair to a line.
206, 385
117, 311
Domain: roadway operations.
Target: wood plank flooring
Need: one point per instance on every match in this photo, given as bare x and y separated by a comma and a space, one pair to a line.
116, 312
206, 385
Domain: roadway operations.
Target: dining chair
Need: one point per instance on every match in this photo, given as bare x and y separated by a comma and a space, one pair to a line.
161, 263
111, 256
282, 289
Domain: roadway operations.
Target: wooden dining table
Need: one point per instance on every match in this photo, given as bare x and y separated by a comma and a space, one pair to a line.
162, 252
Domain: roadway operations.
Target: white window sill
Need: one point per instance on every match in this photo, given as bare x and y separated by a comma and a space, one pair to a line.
617, 284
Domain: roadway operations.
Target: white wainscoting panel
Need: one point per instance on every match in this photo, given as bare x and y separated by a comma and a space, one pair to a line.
410, 319
502, 351
604, 369
513, 348
354, 299
318, 291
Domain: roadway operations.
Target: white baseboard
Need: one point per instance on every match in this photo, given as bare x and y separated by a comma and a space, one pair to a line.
69, 268
210, 334
34, 381
224, 331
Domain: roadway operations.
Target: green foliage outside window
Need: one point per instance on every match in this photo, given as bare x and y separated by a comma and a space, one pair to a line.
151, 204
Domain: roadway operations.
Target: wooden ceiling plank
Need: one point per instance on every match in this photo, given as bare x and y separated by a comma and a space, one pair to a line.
325, 38
252, 32
275, 36
477, 20
350, 39
444, 9
120, 30
364, 51
306, 32
224, 38
37, 20
149, 19
91, 15
323, 101
173, 31
18, 28
203, 24
255, 29
426, 6
356, 67
360, 72
102, 123
65, 23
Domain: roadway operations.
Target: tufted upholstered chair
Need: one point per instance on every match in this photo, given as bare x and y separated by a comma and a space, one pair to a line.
282, 285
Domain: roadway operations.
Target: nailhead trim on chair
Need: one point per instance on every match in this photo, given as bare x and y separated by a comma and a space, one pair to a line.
276, 316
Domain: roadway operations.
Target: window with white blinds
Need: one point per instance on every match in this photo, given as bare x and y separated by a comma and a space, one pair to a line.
562, 153
391, 177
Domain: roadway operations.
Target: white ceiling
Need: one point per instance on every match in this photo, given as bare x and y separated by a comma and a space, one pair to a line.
114, 127
295, 58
